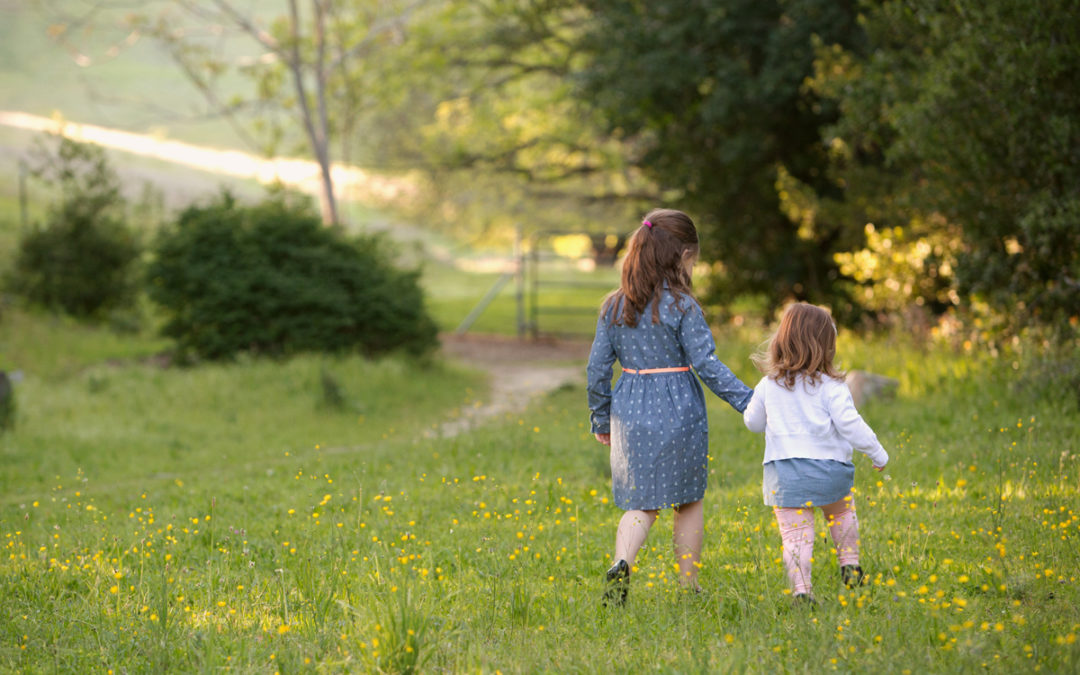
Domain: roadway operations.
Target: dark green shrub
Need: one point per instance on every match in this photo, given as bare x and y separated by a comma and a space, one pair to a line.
81, 260
271, 279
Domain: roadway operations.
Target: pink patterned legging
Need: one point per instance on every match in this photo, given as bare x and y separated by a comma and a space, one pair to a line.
797, 535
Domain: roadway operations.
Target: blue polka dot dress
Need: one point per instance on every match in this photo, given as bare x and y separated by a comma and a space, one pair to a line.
657, 421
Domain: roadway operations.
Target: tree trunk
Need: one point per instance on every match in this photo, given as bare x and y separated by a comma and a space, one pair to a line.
318, 136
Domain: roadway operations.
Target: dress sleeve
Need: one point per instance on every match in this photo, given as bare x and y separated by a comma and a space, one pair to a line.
698, 343
599, 371
851, 426
755, 416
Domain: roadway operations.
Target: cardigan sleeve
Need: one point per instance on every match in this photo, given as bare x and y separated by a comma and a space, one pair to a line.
700, 347
755, 417
851, 426
599, 372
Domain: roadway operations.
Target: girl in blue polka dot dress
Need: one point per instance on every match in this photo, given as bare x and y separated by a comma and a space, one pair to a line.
654, 419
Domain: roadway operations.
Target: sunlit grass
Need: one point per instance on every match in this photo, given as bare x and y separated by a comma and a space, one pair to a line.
237, 517
38, 344
568, 301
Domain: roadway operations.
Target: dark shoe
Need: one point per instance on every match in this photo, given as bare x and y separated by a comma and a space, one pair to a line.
618, 584
804, 600
852, 576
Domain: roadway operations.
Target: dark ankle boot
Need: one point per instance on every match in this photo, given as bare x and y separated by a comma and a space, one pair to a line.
852, 576
618, 584
804, 600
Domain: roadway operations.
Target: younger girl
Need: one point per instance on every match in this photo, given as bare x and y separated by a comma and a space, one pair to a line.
655, 420
811, 426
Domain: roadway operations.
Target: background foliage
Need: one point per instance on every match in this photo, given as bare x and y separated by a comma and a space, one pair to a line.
270, 279
785, 127
711, 96
81, 260
960, 129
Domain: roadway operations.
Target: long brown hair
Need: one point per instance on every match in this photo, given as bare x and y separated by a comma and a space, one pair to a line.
657, 252
804, 344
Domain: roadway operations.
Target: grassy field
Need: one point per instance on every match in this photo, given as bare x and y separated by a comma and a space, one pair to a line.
97, 72
308, 516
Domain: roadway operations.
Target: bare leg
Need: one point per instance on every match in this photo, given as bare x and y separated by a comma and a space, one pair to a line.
633, 529
689, 530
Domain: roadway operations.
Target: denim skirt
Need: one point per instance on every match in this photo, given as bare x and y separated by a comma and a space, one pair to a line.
794, 482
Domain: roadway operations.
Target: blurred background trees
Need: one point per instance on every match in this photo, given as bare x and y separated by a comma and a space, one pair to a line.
891, 158
961, 131
710, 99
903, 158
81, 259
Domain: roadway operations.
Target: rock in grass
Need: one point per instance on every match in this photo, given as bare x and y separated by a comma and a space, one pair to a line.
865, 386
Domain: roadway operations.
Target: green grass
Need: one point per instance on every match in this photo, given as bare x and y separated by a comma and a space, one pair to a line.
568, 307
256, 517
139, 89
52, 347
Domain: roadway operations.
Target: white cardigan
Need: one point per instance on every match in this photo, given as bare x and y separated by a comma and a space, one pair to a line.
811, 421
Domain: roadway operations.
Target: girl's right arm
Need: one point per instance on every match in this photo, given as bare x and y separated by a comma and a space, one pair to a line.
599, 371
754, 416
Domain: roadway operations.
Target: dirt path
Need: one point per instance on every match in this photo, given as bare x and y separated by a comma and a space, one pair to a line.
519, 370
301, 174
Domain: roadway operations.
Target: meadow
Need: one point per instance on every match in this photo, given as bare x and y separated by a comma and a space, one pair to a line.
97, 70
314, 515
309, 515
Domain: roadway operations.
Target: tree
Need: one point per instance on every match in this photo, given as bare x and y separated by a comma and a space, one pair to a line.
81, 260
965, 115
708, 98
496, 126
309, 65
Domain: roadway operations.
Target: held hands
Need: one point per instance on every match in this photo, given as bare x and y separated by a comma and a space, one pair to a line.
603, 438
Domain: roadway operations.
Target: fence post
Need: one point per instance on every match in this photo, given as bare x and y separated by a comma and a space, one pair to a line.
24, 202
519, 278
534, 291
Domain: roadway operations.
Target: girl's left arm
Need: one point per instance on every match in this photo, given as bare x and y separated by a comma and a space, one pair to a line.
850, 424
599, 371
698, 343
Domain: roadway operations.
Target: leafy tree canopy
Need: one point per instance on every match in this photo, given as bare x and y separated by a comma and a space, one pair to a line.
709, 98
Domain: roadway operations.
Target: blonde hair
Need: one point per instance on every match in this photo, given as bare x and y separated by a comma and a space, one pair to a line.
804, 344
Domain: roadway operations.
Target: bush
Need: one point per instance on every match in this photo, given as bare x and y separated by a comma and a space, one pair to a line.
270, 279
81, 260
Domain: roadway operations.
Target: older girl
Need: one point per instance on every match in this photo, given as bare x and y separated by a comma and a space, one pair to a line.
654, 420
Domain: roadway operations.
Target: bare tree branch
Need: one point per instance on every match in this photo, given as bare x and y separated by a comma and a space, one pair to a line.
207, 90
262, 37
377, 29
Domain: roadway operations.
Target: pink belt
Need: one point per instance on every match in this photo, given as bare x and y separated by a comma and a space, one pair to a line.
650, 371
